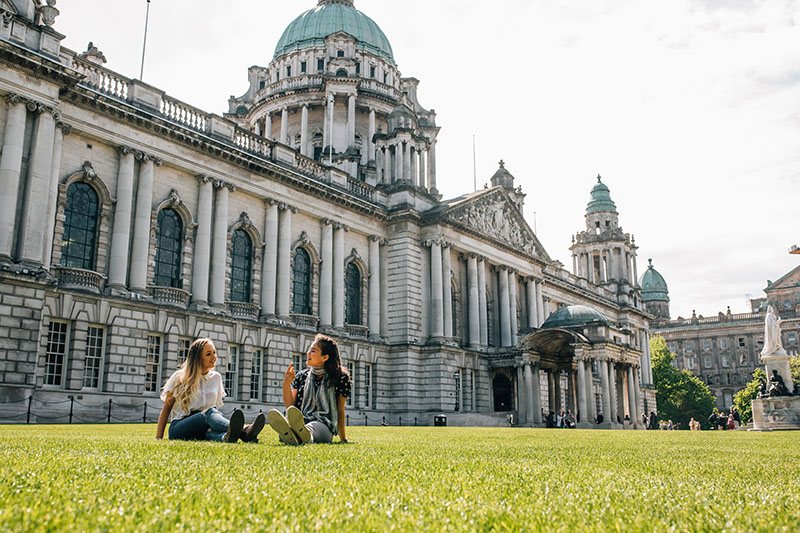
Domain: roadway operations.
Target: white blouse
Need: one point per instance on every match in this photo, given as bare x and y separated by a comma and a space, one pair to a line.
210, 393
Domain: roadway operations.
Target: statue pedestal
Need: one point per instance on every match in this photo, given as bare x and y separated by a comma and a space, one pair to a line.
779, 361
773, 414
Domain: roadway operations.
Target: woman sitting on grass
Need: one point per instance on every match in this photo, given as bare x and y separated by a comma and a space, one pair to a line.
315, 398
192, 398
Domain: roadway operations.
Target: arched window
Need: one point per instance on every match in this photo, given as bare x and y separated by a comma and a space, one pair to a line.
80, 227
341, 73
301, 285
169, 255
241, 265
352, 285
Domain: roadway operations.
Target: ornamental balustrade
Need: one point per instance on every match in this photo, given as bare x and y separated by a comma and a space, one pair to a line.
290, 84
79, 279
102, 79
170, 296
311, 168
353, 330
305, 321
252, 143
377, 87
244, 310
183, 114
359, 188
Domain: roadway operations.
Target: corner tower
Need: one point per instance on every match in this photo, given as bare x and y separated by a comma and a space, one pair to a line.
655, 293
603, 254
333, 93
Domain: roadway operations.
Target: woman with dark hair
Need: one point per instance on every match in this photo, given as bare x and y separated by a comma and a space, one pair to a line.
315, 398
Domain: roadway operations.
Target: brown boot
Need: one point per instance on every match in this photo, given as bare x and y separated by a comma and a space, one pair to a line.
251, 431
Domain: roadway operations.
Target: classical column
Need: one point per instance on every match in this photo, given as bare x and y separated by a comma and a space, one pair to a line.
351, 121
631, 395
612, 378
413, 166
605, 387
268, 125
284, 126
432, 167
530, 286
407, 162
637, 397
522, 411
512, 299
304, 131
374, 319
220, 244
474, 315
648, 359
270, 267
201, 261
370, 142
284, 259
532, 379
482, 310
378, 164
34, 208
447, 291
326, 275
557, 389
10, 167
338, 275
141, 226
399, 157
387, 165
540, 303
590, 403
121, 230
505, 308
582, 410
551, 391
635, 279
52, 195
437, 295
421, 171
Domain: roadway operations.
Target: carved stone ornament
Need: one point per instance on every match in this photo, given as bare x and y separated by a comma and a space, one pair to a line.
304, 240
88, 171
245, 222
49, 12
174, 198
496, 217
8, 16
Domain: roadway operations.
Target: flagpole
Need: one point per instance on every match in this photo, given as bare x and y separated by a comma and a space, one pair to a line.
144, 43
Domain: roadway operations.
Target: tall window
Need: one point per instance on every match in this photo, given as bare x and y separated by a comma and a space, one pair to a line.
93, 360
169, 239
351, 371
707, 361
241, 266
301, 285
706, 343
725, 362
457, 379
80, 227
298, 362
152, 363
690, 363
56, 354
255, 374
723, 344
472, 393
352, 280
183, 350
303, 67
688, 346
368, 385
230, 372
320, 65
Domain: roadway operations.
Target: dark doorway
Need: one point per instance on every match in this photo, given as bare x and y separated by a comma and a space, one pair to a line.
503, 390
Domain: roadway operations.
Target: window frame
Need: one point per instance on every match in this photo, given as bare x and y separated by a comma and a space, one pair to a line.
61, 365
152, 370
256, 373
232, 371
301, 307
100, 359
241, 278
176, 266
87, 260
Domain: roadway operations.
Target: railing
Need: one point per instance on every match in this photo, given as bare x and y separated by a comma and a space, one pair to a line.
359, 188
80, 279
305, 321
102, 79
184, 114
170, 296
252, 143
312, 168
290, 84
356, 331
379, 88
244, 310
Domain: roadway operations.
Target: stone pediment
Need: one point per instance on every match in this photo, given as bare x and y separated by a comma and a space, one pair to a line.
788, 280
492, 214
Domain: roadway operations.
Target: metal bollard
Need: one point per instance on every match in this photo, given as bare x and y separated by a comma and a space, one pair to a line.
109, 410
71, 403
144, 416
30, 403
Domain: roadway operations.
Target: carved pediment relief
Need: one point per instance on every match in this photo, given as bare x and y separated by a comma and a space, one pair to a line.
494, 215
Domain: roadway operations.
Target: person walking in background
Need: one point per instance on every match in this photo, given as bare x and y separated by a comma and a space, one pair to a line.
192, 398
736, 418
653, 420
644, 419
712, 419
731, 422
315, 398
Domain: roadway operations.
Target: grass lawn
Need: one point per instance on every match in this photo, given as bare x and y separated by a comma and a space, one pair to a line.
118, 477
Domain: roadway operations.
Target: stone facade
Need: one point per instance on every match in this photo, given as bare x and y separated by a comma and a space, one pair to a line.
132, 223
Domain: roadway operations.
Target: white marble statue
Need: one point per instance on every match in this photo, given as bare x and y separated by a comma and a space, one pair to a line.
772, 334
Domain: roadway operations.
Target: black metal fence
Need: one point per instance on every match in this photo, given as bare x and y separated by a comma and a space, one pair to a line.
72, 411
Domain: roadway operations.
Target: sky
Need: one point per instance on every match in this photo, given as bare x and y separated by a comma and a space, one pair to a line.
689, 110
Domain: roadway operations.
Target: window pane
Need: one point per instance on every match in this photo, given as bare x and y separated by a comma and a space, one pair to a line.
80, 227
301, 284
230, 373
152, 363
94, 358
241, 266
56, 353
255, 375
353, 295
169, 238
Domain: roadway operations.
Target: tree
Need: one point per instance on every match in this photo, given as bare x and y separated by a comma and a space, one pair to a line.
680, 395
743, 398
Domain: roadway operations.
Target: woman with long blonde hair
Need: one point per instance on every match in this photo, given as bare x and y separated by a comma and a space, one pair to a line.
192, 398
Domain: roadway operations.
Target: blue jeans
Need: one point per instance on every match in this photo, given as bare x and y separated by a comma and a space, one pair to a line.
210, 425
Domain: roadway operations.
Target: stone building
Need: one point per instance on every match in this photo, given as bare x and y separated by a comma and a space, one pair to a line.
132, 223
725, 349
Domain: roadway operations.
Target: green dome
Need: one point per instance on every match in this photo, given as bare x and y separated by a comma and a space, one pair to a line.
330, 16
654, 288
573, 315
601, 199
